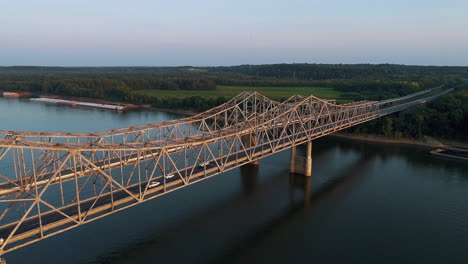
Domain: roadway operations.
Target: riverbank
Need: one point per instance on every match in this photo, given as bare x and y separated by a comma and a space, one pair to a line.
427, 142
169, 110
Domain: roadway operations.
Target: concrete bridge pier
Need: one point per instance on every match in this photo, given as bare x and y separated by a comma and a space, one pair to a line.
304, 164
308, 161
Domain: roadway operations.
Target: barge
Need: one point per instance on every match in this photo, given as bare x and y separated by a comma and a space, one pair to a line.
15, 95
453, 153
71, 103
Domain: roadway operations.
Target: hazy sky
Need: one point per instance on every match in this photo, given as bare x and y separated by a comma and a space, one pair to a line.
222, 32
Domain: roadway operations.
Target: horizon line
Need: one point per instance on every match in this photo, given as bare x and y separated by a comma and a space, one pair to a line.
232, 65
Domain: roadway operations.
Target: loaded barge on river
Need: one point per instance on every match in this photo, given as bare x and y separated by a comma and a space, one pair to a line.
72, 103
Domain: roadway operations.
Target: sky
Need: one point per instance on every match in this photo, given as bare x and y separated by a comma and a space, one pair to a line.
225, 32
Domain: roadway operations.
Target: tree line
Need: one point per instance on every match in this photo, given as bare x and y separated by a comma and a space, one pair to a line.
446, 117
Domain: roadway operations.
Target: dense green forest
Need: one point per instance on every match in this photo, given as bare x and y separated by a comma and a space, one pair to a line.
446, 117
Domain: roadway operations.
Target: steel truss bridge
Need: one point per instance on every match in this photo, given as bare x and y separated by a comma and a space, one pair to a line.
53, 182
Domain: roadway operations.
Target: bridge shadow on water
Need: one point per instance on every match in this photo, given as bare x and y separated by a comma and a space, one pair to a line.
308, 200
233, 227
253, 206
230, 230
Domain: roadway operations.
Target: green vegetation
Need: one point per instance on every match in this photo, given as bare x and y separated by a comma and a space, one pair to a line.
231, 91
200, 88
446, 117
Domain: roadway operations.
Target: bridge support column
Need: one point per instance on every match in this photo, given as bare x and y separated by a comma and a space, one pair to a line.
308, 162
293, 160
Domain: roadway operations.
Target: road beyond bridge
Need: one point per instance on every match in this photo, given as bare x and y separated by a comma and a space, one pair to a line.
53, 182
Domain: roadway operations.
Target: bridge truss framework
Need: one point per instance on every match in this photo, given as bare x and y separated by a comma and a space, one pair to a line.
53, 182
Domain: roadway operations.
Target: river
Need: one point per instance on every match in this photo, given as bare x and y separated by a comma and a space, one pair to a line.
365, 203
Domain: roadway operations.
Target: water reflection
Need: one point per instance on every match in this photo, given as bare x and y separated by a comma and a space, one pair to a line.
300, 185
249, 178
415, 156
309, 200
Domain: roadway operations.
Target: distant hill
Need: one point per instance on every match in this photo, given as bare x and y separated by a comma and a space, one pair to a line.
297, 71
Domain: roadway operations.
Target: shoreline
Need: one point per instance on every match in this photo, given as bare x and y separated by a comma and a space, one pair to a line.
380, 139
174, 111
426, 142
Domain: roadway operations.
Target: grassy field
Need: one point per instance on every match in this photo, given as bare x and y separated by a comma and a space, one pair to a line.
231, 91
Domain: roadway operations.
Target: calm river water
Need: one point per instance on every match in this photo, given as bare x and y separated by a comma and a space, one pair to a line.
365, 203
